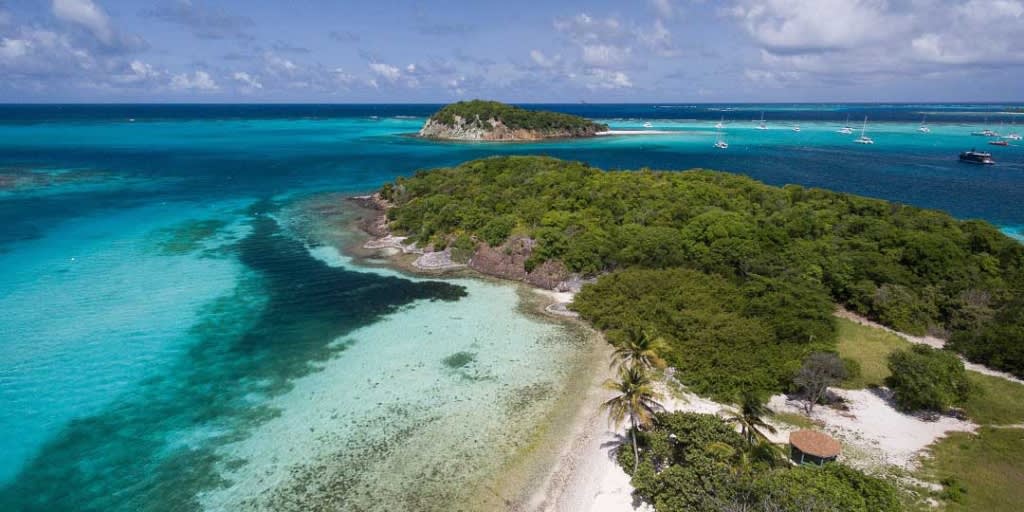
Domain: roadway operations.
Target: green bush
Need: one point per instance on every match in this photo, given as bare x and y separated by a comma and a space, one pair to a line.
927, 379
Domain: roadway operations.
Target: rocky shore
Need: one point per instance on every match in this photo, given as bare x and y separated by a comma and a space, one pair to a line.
506, 261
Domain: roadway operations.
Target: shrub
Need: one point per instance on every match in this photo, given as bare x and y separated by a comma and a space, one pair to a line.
927, 379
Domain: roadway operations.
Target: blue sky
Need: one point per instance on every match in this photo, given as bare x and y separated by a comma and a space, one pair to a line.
525, 51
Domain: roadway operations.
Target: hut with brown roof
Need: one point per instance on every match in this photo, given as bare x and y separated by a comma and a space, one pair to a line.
812, 447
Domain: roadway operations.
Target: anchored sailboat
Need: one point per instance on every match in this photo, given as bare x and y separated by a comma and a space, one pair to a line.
762, 125
1013, 135
721, 143
864, 139
924, 128
720, 124
846, 130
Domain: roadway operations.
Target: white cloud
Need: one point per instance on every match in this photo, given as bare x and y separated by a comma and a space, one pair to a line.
199, 81
664, 8
37, 53
86, 14
248, 81
605, 55
277, 65
13, 48
544, 61
659, 39
136, 72
604, 79
815, 25
386, 71
872, 41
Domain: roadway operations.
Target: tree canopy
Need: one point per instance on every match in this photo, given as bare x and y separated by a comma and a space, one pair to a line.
776, 259
514, 117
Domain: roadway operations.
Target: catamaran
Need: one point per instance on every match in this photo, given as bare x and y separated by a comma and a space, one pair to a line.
721, 143
924, 128
864, 139
846, 130
1013, 135
796, 127
762, 126
720, 124
986, 132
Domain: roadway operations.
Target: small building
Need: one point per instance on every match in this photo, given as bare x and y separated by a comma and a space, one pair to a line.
812, 447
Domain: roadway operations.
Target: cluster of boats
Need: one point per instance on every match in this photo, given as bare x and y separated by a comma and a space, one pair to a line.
971, 156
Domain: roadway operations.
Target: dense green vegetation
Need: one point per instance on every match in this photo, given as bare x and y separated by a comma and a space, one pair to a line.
738, 277
698, 462
723, 337
927, 379
980, 471
515, 118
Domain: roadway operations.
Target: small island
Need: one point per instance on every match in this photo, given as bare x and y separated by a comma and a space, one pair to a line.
494, 121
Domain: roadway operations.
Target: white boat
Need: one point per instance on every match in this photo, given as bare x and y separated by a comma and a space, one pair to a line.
762, 126
796, 128
721, 144
924, 128
1012, 135
846, 129
648, 125
864, 139
986, 132
720, 124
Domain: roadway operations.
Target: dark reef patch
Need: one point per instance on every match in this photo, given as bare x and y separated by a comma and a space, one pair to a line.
158, 444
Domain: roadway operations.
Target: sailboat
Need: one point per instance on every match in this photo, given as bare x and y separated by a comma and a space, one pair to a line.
924, 128
720, 124
721, 143
796, 127
864, 139
1012, 135
846, 130
648, 125
762, 125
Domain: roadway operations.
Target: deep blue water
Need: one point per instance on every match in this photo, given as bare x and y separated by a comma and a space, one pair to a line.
151, 285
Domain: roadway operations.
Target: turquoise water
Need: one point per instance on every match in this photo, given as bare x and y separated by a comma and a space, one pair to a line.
180, 332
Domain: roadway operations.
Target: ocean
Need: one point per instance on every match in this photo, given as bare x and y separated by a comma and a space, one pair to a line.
180, 331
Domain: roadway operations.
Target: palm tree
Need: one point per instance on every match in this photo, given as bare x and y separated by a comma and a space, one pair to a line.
637, 401
749, 418
641, 350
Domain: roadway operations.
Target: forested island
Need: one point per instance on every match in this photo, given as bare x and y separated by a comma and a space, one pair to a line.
739, 278
494, 121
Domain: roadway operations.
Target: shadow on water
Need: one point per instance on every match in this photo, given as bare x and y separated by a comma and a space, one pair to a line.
155, 449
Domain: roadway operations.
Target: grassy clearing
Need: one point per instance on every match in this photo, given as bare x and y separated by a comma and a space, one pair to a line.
796, 420
994, 401
989, 466
870, 347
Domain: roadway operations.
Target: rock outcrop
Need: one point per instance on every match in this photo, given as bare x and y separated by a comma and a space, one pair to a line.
495, 130
508, 261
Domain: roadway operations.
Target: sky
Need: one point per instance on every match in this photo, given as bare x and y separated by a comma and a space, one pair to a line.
383, 51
